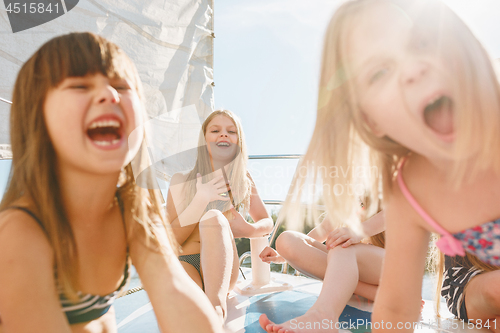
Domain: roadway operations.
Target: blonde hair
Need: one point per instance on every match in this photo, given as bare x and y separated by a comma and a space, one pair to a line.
341, 137
238, 176
33, 173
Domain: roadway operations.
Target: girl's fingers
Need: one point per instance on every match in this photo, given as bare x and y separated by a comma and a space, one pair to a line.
224, 186
340, 240
221, 190
333, 233
216, 180
347, 243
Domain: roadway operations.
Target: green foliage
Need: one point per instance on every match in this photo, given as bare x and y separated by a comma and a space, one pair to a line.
243, 244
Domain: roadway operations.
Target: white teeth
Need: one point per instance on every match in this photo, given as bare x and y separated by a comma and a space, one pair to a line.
225, 144
434, 100
106, 143
105, 123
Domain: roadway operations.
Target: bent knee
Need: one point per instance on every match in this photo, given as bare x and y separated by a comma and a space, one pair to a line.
339, 250
214, 218
492, 295
286, 244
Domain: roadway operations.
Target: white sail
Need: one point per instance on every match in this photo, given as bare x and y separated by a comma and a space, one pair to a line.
170, 41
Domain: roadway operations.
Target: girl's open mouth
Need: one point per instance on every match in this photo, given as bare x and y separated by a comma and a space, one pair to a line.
439, 117
105, 132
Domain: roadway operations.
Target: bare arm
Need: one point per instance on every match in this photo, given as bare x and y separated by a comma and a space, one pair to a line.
185, 220
263, 223
321, 231
399, 295
179, 304
27, 284
374, 225
194, 211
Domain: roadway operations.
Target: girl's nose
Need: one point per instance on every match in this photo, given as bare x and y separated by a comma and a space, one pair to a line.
108, 94
414, 71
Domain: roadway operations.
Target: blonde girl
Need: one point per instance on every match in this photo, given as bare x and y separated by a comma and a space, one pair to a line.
406, 88
360, 262
68, 232
208, 204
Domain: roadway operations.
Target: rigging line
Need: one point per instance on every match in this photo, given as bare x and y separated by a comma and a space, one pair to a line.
5, 101
10, 58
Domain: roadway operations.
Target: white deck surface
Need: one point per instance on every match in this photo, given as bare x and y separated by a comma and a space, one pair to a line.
134, 312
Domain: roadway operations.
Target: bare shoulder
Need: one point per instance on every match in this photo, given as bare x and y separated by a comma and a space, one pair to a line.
20, 231
414, 177
27, 268
24, 247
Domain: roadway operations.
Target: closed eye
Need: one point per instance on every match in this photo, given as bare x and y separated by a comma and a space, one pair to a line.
79, 86
378, 75
120, 85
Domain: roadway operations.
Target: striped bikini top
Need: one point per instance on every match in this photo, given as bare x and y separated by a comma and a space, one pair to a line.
89, 307
482, 241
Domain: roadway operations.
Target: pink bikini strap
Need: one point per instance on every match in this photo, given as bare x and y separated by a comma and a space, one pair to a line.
448, 244
414, 202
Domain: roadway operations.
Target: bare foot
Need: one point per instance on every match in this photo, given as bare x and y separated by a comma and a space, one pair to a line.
313, 321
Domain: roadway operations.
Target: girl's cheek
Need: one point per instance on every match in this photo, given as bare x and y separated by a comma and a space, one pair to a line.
138, 113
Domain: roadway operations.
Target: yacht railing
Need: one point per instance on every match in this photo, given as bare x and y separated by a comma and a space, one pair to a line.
5, 101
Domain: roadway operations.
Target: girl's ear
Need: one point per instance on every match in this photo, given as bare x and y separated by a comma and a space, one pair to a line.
372, 125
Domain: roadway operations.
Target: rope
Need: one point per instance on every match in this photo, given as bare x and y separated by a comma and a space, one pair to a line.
131, 291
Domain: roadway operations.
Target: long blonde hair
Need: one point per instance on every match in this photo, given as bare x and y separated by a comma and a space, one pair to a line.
238, 176
341, 137
34, 174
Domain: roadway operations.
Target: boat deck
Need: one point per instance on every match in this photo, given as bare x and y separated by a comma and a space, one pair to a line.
134, 312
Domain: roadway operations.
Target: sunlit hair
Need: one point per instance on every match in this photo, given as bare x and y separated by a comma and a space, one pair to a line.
342, 138
238, 176
34, 172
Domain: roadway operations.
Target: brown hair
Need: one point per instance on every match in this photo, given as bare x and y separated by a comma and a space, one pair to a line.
34, 173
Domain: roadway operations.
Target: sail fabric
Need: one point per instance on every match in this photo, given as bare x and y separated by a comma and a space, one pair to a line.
170, 42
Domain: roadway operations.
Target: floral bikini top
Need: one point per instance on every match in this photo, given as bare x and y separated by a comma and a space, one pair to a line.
482, 241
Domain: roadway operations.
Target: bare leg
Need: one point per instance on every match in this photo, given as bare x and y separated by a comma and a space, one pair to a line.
303, 252
358, 262
310, 256
482, 299
193, 273
217, 258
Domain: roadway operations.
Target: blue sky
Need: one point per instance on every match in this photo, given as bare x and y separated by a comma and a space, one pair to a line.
267, 67
266, 70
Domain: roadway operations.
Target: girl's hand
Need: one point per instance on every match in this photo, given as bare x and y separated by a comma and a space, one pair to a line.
212, 190
270, 255
239, 226
344, 236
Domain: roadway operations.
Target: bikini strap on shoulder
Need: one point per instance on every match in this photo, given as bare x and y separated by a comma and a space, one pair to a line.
448, 244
